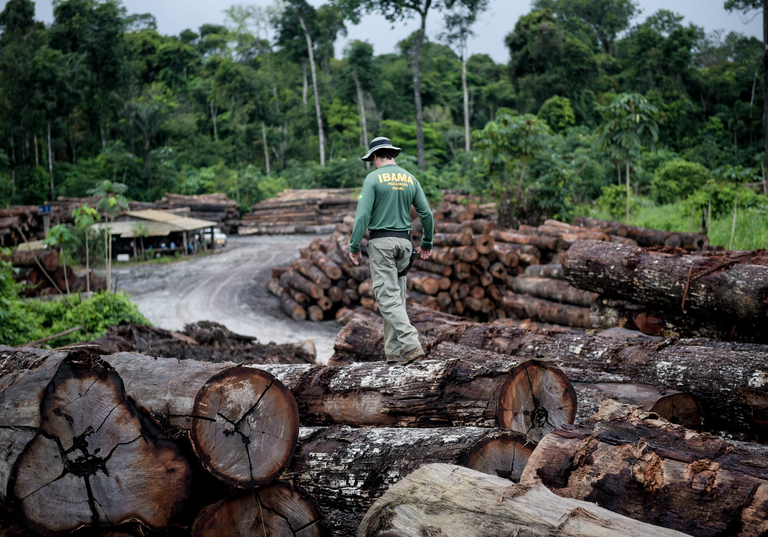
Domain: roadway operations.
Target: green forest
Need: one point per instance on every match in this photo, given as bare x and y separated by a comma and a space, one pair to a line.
596, 101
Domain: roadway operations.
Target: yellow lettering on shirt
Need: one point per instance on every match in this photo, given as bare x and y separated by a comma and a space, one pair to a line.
386, 177
410, 179
400, 176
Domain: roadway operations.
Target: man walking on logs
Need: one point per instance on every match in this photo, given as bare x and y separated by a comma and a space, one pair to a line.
384, 207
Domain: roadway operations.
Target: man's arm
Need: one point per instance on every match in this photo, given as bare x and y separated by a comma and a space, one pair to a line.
362, 218
427, 223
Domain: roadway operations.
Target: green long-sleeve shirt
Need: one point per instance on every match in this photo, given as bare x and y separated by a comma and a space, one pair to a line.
385, 203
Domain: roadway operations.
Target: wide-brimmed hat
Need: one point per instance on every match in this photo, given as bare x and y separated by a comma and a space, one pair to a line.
379, 143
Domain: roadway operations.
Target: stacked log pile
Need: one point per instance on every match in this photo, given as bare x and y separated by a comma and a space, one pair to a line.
17, 220
639, 465
646, 236
214, 207
673, 293
300, 211
136, 445
42, 275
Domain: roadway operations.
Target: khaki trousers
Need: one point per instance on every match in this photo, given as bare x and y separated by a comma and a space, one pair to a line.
390, 255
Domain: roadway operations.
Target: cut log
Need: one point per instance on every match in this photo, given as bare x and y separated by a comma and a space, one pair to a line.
557, 290
64, 277
435, 268
76, 451
326, 264
729, 380
360, 272
640, 466
553, 271
457, 239
291, 308
291, 278
484, 244
278, 510
324, 303
300, 298
543, 395
451, 501
543, 242
465, 253
718, 288
315, 313
243, 422
509, 256
25, 258
498, 270
671, 405
350, 297
346, 469
274, 287
423, 282
335, 294
312, 273
443, 255
537, 309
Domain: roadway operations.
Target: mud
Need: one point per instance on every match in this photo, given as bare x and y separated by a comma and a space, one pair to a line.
228, 288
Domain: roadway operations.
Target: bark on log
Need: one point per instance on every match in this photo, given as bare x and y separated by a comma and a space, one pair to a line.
274, 287
450, 501
435, 268
25, 258
553, 271
300, 298
671, 405
312, 272
315, 313
346, 469
326, 264
243, 422
76, 451
465, 253
640, 466
484, 244
292, 308
278, 510
423, 282
557, 290
443, 255
509, 256
454, 378
718, 288
335, 294
455, 239
291, 278
543, 242
63, 277
537, 309
730, 380
360, 272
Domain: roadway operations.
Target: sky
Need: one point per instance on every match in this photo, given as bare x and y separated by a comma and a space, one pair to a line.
173, 16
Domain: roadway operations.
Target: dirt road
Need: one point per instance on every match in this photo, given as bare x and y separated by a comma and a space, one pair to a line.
228, 288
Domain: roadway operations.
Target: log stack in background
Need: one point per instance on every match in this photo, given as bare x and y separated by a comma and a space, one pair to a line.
214, 207
42, 275
300, 211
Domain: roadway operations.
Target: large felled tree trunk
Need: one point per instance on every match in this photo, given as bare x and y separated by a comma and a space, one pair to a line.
455, 386
76, 451
243, 422
722, 289
730, 380
347, 469
277, 510
647, 469
450, 501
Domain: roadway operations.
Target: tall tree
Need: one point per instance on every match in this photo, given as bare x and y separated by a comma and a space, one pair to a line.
630, 123
360, 63
458, 24
745, 6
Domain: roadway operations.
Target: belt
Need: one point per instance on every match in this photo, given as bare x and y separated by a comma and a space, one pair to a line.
381, 233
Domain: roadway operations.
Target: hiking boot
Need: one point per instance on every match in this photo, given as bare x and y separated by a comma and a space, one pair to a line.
391, 358
411, 356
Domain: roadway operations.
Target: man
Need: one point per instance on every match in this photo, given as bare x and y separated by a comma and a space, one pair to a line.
384, 207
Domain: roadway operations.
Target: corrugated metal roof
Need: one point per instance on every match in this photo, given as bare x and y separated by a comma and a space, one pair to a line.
128, 230
180, 223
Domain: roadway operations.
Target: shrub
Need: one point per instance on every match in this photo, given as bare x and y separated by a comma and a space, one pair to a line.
614, 200
678, 179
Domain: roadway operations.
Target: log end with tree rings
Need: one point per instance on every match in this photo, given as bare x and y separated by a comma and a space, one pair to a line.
504, 456
277, 510
246, 428
536, 399
95, 459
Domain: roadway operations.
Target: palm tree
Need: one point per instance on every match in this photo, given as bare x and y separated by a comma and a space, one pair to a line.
630, 123
84, 218
112, 200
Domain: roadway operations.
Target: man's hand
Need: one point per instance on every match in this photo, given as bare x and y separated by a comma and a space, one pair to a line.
424, 253
356, 258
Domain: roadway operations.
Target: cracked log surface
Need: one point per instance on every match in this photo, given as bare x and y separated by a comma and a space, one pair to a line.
451, 501
729, 380
347, 469
725, 290
93, 459
456, 386
243, 423
648, 469
277, 510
